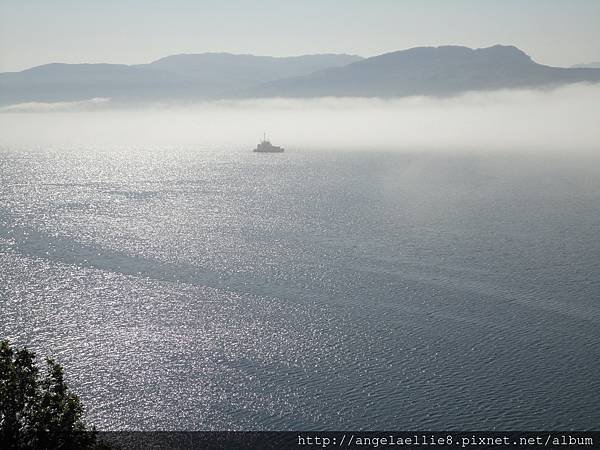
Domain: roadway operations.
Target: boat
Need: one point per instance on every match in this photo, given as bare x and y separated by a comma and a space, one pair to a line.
265, 146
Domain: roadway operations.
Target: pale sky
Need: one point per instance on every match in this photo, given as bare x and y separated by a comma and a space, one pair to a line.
34, 32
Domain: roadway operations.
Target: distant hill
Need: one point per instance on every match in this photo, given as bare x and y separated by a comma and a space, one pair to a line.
592, 65
446, 70
443, 70
177, 77
70, 82
217, 72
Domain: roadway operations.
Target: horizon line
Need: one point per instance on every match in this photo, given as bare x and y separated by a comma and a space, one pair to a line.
272, 56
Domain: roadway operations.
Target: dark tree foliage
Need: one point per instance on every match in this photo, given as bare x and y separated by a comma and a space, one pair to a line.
37, 409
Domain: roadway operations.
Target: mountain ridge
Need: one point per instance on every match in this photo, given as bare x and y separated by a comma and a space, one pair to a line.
443, 70
174, 77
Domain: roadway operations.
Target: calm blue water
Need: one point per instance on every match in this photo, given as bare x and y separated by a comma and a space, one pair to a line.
189, 289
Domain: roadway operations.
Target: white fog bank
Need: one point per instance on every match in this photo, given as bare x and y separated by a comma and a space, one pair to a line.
565, 120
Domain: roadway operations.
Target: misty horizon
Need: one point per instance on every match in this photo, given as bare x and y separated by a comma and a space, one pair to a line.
188, 78
506, 120
592, 63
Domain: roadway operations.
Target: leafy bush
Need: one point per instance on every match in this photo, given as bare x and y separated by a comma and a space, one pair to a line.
37, 409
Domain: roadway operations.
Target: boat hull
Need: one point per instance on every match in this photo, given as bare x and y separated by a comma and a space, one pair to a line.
272, 150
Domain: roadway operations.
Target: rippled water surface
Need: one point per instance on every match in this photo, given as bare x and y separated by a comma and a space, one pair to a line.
192, 289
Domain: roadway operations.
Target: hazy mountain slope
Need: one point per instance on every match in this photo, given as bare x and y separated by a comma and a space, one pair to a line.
175, 77
419, 71
67, 82
224, 70
427, 71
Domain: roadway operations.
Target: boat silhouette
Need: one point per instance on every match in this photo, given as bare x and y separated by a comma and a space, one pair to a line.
265, 146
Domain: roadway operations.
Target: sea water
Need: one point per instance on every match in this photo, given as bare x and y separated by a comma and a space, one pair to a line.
194, 289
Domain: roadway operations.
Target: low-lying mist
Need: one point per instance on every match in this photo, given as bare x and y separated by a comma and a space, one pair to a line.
563, 119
